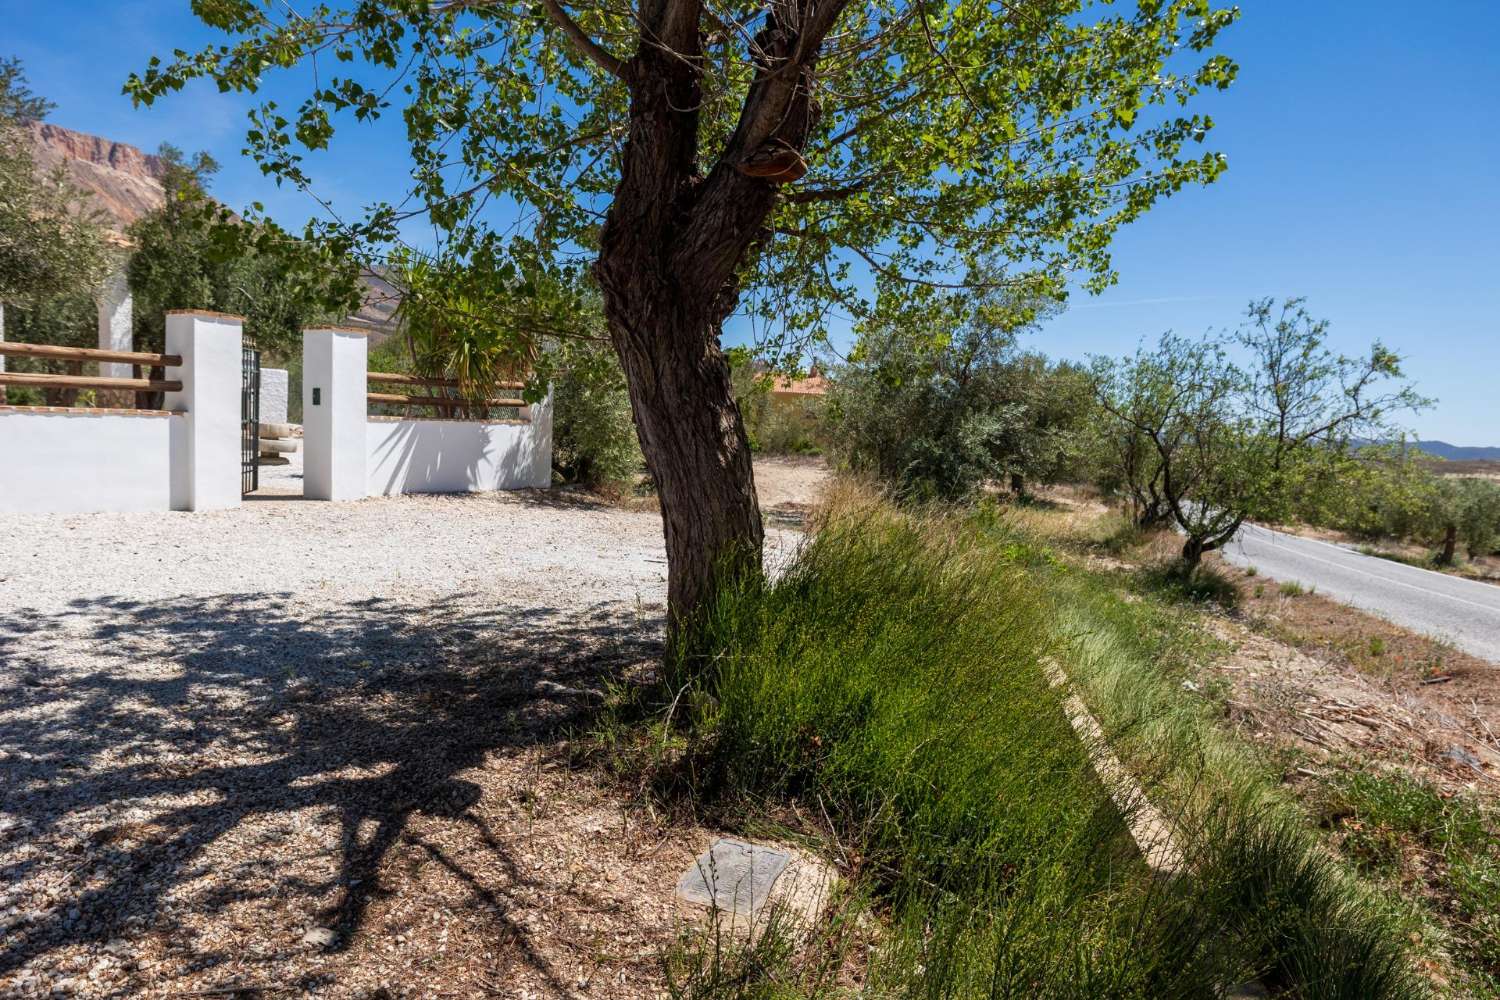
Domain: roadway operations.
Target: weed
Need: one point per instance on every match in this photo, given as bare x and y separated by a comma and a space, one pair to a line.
1251, 571
1406, 830
1291, 588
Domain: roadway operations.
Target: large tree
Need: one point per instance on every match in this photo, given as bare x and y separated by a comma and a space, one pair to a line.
781, 158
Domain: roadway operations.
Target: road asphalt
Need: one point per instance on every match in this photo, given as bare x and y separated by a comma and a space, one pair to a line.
1464, 612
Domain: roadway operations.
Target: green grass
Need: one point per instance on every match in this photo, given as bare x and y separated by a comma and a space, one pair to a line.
890, 681
1196, 585
1403, 831
1294, 588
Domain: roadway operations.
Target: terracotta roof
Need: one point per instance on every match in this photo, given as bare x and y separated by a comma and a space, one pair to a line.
814, 385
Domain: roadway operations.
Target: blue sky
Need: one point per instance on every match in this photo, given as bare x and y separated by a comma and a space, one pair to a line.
1364, 173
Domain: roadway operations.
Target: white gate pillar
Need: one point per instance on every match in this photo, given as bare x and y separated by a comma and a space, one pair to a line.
206, 460
334, 413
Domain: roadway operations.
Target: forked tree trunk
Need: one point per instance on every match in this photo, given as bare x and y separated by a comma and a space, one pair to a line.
671, 254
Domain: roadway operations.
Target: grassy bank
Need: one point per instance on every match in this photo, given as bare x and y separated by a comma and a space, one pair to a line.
891, 682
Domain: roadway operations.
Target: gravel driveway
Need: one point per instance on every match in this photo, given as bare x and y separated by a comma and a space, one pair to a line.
219, 732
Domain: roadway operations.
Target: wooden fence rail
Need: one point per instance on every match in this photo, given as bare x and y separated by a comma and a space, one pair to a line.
443, 401
15, 350
397, 378
89, 382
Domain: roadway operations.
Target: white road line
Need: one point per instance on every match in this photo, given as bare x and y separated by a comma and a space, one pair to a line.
1492, 609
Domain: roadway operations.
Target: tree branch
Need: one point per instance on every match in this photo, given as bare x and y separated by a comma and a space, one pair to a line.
600, 56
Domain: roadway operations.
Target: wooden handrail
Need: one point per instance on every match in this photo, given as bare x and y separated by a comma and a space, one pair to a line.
88, 382
446, 401
397, 378
16, 350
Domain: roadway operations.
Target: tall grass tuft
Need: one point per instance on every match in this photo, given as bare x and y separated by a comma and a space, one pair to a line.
890, 679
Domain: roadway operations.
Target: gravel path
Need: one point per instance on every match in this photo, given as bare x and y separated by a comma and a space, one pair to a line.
220, 733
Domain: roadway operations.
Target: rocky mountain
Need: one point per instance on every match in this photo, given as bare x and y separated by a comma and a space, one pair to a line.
1459, 453
124, 184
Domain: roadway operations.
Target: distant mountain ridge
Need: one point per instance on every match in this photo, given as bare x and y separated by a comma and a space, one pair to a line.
1459, 453
125, 184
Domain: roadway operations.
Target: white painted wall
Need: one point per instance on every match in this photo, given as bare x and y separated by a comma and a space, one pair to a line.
334, 405
206, 469
115, 314
78, 461
459, 456
273, 395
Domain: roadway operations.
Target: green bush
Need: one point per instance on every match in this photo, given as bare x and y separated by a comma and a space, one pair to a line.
775, 426
942, 424
593, 435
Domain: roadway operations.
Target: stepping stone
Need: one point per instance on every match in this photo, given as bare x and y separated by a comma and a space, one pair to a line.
739, 886
733, 876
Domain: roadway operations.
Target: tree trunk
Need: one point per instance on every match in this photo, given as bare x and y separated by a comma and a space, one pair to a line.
671, 256
1450, 546
1017, 484
1192, 553
698, 454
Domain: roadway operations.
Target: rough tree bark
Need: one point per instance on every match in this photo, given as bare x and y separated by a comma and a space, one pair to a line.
671, 251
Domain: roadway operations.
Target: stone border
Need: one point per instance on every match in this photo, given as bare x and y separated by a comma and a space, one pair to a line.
1149, 827
206, 314
90, 411
383, 419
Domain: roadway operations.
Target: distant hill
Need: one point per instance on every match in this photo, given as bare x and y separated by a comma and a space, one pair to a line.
125, 184
1458, 453
122, 181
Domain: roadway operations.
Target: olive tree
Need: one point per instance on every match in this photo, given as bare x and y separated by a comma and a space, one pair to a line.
194, 253
49, 246
775, 158
1228, 428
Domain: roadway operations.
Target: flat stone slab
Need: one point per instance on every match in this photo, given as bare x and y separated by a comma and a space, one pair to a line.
733, 876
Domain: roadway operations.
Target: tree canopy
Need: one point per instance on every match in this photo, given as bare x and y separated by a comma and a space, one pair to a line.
938, 134
790, 160
50, 244
194, 253
1215, 431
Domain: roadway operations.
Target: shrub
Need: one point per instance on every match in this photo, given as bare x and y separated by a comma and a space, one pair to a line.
775, 426
940, 415
593, 435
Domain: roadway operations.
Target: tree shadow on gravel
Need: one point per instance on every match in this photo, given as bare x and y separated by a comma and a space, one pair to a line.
136, 735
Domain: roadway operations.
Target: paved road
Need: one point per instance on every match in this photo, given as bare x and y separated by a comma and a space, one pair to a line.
1465, 612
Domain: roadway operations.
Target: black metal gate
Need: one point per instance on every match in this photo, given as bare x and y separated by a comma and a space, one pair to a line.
249, 419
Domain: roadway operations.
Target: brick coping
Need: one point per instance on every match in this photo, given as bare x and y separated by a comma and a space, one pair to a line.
382, 419
90, 411
206, 314
363, 331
